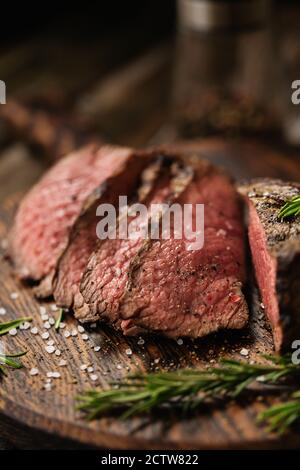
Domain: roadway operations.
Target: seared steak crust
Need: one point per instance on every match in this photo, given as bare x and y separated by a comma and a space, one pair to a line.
105, 277
275, 248
178, 292
83, 237
47, 214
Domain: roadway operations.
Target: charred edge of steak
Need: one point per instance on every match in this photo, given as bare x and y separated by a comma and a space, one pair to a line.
88, 220
275, 248
131, 307
194, 164
172, 179
83, 238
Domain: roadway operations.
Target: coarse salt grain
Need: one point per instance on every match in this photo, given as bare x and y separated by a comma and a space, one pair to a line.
74, 332
34, 330
84, 337
34, 371
47, 325
262, 378
48, 387
56, 375
50, 342
57, 352
50, 349
81, 329
13, 332
119, 366
14, 295
141, 341
83, 367
42, 310
2, 311
62, 363
67, 334
180, 341
49, 374
90, 369
45, 335
128, 352
97, 348
45, 317
54, 308
51, 321
25, 326
94, 377
244, 352
62, 325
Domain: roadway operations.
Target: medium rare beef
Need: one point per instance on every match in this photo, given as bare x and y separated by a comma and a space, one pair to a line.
48, 212
275, 248
83, 237
181, 292
105, 278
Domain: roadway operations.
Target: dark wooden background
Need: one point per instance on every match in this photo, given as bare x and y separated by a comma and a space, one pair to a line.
111, 76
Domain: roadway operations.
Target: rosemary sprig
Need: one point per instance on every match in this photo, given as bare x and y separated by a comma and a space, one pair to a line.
281, 417
59, 319
187, 388
290, 208
7, 326
9, 360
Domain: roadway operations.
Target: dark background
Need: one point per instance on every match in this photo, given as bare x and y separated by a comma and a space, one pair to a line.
21, 20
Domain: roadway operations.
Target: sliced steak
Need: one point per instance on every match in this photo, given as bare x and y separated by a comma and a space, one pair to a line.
48, 212
105, 278
83, 237
181, 292
275, 248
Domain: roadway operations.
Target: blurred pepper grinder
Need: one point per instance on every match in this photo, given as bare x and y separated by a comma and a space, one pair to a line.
224, 75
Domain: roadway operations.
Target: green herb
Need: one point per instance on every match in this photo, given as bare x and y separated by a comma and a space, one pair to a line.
9, 360
280, 418
187, 388
290, 208
59, 319
6, 327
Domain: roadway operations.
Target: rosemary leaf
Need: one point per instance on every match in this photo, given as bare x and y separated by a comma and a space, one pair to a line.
9, 360
187, 387
279, 418
290, 208
7, 326
59, 319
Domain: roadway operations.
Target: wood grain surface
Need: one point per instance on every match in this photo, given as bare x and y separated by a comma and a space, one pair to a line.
32, 417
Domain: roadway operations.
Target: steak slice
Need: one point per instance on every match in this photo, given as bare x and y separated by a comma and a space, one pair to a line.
275, 248
48, 212
181, 292
83, 237
105, 278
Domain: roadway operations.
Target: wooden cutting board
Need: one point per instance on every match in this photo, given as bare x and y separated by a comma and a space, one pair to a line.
32, 417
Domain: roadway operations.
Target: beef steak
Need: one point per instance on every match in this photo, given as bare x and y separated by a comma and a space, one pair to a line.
48, 212
105, 278
181, 292
275, 248
83, 238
